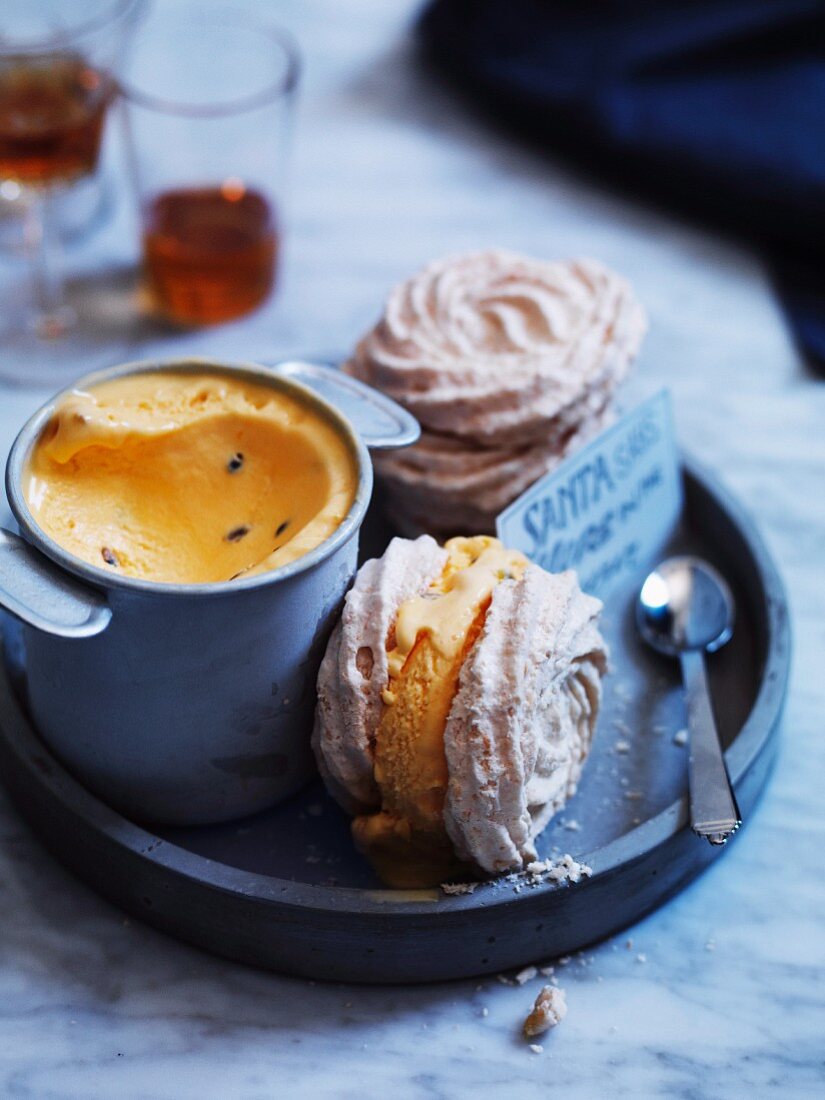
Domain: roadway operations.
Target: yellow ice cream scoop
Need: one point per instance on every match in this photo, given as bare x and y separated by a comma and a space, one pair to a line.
188, 478
406, 839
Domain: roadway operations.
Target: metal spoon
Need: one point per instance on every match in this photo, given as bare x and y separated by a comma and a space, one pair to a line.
684, 610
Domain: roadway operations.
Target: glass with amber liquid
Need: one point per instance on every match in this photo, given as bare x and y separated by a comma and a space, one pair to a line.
51, 118
209, 97
58, 67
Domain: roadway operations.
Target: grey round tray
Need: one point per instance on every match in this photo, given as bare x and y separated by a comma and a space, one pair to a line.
286, 890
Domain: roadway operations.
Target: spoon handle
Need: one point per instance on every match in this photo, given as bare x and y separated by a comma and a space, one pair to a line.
713, 810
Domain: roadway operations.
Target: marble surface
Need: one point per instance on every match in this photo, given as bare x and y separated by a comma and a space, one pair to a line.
721, 993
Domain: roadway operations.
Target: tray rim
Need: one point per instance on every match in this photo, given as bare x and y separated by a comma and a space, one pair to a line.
633, 845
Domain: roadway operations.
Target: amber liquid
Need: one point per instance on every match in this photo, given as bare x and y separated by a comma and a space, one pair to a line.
210, 252
51, 118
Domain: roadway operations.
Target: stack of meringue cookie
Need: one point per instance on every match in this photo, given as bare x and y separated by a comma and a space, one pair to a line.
509, 363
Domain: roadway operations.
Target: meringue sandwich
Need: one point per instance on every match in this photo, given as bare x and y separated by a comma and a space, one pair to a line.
456, 706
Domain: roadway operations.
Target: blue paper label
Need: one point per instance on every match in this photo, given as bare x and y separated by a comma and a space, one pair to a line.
609, 509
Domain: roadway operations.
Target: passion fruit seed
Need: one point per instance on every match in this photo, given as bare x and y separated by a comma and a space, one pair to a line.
109, 556
237, 533
235, 463
282, 527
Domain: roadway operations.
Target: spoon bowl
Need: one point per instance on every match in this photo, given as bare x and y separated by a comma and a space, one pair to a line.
685, 604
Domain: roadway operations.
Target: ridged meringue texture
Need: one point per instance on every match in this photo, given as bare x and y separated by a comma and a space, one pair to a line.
509, 363
457, 701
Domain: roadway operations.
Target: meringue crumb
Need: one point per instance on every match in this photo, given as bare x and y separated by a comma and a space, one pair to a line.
526, 975
572, 826
485, 1012
564, 960
622, 747
562, 871
634, 796
710, 945
568, 869
537, 1048
504, 980
547, 971
548, 1011
641, 958
680, 737
458, 887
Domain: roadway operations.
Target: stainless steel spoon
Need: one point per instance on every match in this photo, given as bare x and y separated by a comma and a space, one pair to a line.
684, 610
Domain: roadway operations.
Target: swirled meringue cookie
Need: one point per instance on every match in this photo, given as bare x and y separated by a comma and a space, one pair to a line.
456, 706
502, 354
441, 484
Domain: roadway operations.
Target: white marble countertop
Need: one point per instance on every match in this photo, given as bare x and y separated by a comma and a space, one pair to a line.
729, 1000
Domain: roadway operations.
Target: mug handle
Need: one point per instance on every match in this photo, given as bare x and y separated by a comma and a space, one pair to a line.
39, 593
381, 422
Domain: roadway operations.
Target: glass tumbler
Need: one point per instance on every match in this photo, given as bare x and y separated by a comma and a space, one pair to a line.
208, 100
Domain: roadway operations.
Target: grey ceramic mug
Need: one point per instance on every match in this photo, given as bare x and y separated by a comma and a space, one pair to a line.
188, 704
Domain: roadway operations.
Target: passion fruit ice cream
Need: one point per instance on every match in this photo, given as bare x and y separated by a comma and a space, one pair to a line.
188, 478
456, 705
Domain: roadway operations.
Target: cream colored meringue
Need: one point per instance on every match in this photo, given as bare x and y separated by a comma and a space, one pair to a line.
441, 485
522, 721
494, 346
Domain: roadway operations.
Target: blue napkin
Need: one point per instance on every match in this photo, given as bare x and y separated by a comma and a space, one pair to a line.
715, 106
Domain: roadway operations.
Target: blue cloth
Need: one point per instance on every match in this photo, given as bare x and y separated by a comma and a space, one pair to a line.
715, 106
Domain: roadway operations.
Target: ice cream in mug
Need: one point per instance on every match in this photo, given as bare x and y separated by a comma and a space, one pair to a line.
189, 478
